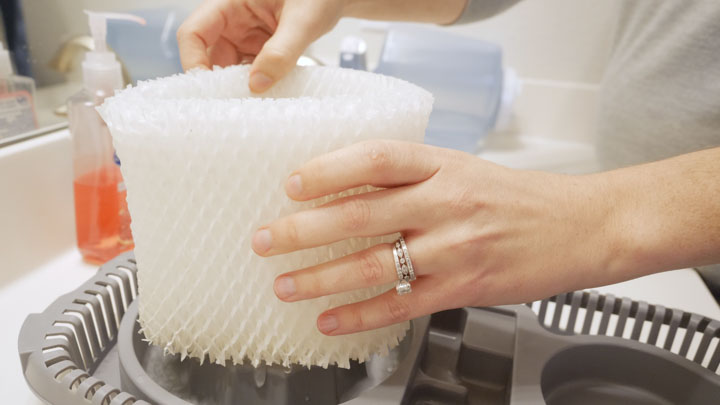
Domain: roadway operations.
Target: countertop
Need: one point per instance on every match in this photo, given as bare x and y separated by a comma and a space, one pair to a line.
32, 293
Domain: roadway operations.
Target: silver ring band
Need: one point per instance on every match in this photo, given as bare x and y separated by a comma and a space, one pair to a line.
407, 258
403, 267
397, 264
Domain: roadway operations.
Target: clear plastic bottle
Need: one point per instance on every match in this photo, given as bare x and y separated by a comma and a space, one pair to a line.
101, 215
17, 95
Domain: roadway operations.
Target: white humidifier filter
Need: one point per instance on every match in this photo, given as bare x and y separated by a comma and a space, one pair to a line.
205, 162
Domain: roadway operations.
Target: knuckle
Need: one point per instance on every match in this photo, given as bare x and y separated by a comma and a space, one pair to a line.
276, 57
397, 310
475, 285
181, 33
371, 270
184, 33
478, 290
290, 230
358, 322
354, 215
379, 156
310, 285
473, 246
465, 200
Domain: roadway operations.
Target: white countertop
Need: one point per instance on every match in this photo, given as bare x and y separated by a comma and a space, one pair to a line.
31, 294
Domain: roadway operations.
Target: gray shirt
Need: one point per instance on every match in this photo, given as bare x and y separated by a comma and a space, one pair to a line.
661, 89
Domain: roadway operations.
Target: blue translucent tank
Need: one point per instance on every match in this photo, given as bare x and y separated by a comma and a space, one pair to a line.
465, 75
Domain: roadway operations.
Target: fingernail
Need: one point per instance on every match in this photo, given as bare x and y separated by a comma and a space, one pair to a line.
284, 287
294, 185
327, 323
262, 241
260, 82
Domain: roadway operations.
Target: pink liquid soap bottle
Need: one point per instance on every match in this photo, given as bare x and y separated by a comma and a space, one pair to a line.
102, 220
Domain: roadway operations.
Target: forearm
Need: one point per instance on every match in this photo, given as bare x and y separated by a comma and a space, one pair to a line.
664, 215
431, 11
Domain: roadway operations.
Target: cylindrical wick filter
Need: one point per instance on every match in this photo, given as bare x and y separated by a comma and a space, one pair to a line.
205, 162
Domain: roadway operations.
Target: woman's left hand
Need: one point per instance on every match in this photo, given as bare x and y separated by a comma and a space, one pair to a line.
478, 234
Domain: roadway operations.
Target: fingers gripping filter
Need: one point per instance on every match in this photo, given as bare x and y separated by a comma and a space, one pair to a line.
205, 162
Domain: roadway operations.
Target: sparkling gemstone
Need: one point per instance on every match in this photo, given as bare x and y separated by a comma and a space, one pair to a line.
402, 260
403, 287
397, 244
404, 269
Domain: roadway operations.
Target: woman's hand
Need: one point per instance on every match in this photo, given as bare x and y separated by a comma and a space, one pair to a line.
270, 33
478, 234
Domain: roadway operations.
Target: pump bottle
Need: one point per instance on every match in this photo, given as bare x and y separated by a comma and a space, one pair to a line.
101, 216
17, 95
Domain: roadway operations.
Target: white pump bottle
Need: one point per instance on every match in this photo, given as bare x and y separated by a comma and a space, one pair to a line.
17, 97
101, 216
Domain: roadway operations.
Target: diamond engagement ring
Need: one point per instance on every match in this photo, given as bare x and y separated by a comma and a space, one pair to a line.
403, 267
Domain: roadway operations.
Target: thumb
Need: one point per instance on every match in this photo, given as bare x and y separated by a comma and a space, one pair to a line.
294, 33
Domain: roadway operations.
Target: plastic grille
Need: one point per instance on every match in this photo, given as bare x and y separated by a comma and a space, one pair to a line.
692, 336
86, 329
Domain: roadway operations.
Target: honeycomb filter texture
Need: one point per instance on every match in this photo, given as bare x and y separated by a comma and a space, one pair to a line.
205, 162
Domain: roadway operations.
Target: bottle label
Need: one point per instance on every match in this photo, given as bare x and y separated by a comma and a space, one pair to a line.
17, 115
121, 185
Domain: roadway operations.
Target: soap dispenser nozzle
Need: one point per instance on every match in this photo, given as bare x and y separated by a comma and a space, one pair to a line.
98, 25
101, 70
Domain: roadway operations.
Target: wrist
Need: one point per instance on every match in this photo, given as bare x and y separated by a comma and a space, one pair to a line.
592, 245
359, 8
428, 11
621, 228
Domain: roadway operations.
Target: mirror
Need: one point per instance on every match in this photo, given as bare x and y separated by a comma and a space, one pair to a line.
47, 40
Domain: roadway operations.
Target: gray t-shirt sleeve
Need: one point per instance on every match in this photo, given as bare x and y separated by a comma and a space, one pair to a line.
476, 10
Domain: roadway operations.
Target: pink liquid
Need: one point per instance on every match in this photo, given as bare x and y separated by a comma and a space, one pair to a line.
102, 219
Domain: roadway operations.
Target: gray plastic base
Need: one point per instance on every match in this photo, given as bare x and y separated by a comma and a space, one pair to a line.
148, 373
573, 348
